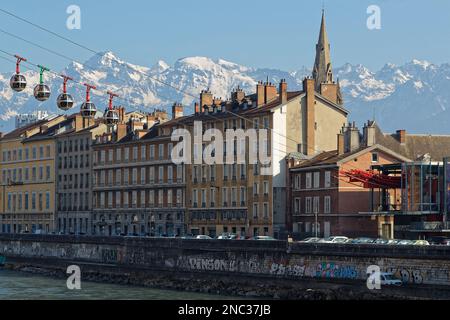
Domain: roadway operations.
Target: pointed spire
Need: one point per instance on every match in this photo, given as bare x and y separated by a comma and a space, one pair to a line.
322, 71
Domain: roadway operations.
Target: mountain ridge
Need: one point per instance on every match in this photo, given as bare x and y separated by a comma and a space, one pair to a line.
414, 96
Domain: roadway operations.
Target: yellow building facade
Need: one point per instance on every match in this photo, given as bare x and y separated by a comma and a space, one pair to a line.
28, 179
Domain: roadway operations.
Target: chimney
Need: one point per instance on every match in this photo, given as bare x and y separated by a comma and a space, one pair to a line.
260, 95
197, 108
340, 143
79, 122
177, 110
401, 136
121, 112
270, 92
369, 134
308, 88
283, 91
237, 95
206, 99
352, 139
121, 131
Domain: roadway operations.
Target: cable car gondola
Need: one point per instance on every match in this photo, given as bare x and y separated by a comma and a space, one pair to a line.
42, 91
88, 109
111, 116
18, 81
65, 100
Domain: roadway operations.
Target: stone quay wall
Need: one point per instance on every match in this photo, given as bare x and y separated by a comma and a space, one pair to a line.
269, 259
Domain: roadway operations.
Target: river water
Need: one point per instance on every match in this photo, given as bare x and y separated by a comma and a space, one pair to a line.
22, 286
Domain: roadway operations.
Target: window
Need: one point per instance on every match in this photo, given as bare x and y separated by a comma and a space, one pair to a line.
152, 152
126, 178
327, 179
224, 197
308, 180
134, 176
151, 199
142, 200
225, 172
118, 176
47, 200
161, 174
297, 206
143, 153
152, 174
118, 195
142, 175
316, 204
234, 197
33, 201
374, 157
160, 198
169, 150
127, 154
266, 188
203, 193
266, 123
110, 155
297, 178
266, 210
179, 196
255, 189
41, 152
243, 196
118, 154
135, 153
255, 211
170, 174
316, 180
327, 204
47, 173
213, 197
26, 201
161, 151
308, 204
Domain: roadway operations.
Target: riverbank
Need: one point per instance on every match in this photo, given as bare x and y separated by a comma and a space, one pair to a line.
237, 287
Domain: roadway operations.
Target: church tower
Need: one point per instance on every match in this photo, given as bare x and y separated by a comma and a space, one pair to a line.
323, 70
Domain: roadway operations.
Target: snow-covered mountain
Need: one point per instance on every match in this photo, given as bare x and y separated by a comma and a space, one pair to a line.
414, 96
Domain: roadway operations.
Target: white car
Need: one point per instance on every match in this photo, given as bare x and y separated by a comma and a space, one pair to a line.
388, 279
337, 239
203, 237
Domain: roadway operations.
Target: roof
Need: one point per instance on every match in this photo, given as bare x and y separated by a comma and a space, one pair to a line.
17, 133
416, 145
330, 158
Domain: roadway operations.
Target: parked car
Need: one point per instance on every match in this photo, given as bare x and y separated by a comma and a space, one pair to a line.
266, 238
439, 240
421, 243
336, 239
405, 242
381, 241
362, 241
203, 237
388, 279
310, 240
393, 241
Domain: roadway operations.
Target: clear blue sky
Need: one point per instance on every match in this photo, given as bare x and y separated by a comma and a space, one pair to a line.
262, 33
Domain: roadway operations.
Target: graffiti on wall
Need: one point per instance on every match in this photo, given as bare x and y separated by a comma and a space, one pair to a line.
332, 270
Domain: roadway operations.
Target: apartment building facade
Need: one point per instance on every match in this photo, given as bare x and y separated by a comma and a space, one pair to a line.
74, 175
28, 178
137, 188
